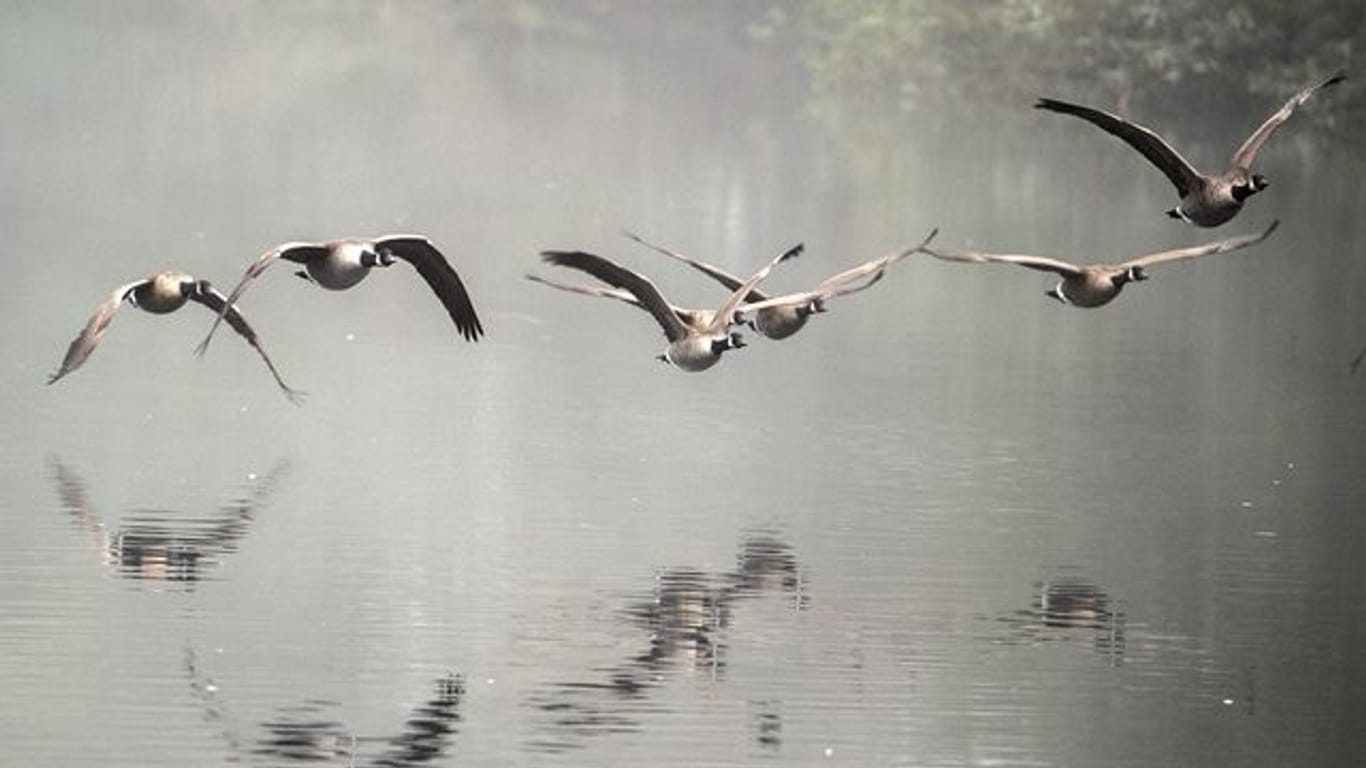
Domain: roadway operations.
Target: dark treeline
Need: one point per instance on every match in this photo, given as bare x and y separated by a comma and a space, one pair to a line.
905, 59
1152, 57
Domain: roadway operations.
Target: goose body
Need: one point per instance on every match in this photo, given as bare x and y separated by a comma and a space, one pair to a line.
1098, 284
161, 294
340, 264
1207, 200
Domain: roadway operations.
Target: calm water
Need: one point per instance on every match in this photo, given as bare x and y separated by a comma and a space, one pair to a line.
950, 523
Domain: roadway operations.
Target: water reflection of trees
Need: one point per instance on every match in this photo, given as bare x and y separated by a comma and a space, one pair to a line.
307, 732
164, 545
684, 618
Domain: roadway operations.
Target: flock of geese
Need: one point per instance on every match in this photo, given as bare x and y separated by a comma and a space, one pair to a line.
698, 337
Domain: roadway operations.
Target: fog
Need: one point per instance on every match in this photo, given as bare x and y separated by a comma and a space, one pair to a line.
949, 522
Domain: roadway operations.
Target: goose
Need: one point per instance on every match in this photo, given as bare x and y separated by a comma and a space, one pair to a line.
1098, 284
340, 264
781, 316
161, 294
1206, 201
690, 348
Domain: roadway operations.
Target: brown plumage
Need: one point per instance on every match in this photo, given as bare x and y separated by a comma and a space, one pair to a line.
1206, 200
161, 294
1098, 284
778, 317
340, 264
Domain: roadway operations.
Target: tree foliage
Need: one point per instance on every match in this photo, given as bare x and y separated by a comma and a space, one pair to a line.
1148, 55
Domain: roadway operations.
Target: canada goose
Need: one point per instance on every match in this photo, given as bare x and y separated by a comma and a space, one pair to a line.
690, 348
340, 264
1096, 285
1206, 201
781, 316
161, 294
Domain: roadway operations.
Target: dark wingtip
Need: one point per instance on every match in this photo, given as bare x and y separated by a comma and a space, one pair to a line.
556, 257
793, 252
928, 239
1335, 78
1272, 228
1045, 103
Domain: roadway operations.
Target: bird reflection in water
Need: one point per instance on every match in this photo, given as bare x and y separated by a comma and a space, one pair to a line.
305, 733
1070, 609
685, 618
164, 545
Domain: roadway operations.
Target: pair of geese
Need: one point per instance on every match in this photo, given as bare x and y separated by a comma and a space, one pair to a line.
333, 264
697, 338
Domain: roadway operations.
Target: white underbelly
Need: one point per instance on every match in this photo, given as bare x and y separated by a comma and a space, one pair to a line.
336, 275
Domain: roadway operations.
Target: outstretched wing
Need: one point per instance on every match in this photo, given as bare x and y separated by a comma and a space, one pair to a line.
1245, 154
846, 282
695, 318
1208, 249
89, 337
589, 290
725, 314
298, 252
440, 277
618, 276
210, 297
1148, 143
716, 273
1041, 263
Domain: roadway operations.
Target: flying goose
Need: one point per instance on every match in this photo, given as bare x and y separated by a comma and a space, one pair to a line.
690, 348
1097, 285
781, 316
340, 264
1206, 201
161, 294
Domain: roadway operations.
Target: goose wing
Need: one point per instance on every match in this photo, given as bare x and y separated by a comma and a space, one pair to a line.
725, 314
89, 337
589, 290
209, 296
690, 317
1208, 249
1149, 144
1245, 154
296, 252
440, 276
1041, 263
845, 282
716, 273
617, 276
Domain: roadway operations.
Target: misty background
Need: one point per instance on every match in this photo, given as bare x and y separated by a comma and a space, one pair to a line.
951, 522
